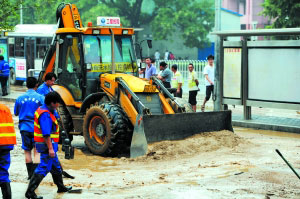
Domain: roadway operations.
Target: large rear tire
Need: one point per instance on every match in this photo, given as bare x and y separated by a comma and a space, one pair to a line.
107, 130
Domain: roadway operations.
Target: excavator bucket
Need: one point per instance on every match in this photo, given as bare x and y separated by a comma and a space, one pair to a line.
179, 126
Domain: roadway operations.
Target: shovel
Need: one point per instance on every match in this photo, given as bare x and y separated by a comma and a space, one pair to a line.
287, 163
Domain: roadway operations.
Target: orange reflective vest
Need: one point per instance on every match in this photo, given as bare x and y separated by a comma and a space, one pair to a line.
38, 135
7, 130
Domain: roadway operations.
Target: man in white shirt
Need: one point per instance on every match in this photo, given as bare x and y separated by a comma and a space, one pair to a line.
209, 73
166, 55
157, 55
193, 86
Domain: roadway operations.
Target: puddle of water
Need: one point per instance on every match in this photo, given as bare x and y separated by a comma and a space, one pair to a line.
91, 162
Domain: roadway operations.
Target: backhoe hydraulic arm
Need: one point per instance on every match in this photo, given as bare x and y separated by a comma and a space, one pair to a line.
158, 83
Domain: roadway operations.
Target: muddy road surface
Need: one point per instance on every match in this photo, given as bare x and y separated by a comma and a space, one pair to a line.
209, 165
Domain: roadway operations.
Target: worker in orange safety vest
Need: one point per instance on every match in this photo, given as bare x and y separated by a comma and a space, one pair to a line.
7, 142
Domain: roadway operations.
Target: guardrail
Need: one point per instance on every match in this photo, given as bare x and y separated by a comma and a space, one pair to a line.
183, 65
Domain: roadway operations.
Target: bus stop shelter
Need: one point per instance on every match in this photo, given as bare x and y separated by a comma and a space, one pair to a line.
259, 68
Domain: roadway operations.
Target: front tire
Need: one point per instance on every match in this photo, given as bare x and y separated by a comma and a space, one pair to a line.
107, 130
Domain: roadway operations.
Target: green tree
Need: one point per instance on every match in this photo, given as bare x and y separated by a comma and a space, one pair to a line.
286, 13
8, 13
193, 20
131, 11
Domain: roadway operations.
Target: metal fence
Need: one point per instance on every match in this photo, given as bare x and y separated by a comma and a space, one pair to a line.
183, 66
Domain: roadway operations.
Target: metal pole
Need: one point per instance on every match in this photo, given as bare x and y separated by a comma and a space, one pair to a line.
245, 86
21, 12
217, 83
113, 65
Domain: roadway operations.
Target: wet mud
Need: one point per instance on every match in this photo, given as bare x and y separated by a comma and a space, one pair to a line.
221, 165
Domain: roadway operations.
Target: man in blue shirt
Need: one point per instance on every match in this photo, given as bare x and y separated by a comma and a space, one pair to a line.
150, 68
46, 135
46, 87
4, 73
25, 107
166, 75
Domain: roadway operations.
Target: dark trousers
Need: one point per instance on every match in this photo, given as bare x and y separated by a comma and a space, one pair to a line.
167, 84
178, 94
4, 84
209, 91
4, 165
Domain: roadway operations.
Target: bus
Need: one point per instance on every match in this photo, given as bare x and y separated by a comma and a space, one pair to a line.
27, 46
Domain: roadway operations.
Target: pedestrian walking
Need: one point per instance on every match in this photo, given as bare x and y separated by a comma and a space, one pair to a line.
44, 89
46, 136
25, 108
167, 55
209, 73
156, 55
150, 68
4, 74
177, 81
166, 74
193, 86
7, 142
172, 56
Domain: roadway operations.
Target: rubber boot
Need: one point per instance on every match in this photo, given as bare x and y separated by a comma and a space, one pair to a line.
29, 169
34, 166
6, 190
67, 175
57, 179
35, 180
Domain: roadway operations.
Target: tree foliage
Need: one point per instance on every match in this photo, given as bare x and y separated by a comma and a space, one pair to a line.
8, 13
286, 13
193, 20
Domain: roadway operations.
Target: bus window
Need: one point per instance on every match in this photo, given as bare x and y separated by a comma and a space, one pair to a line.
19, 46
11, 50
41, 47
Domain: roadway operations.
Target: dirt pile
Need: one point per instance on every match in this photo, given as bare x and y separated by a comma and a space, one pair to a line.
203, 142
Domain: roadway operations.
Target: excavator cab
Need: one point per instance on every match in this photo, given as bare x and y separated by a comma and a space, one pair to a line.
83, 58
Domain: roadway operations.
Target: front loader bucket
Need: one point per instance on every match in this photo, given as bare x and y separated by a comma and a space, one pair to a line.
154, 128
180, 126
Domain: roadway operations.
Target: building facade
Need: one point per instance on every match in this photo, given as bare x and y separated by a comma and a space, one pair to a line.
250, 9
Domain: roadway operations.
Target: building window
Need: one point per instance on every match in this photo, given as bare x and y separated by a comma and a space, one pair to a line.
243, 26
242, 6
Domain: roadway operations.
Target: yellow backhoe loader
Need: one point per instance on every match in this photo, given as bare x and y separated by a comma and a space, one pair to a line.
104, 100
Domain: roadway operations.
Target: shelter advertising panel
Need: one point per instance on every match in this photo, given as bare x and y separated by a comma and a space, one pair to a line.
232, 72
